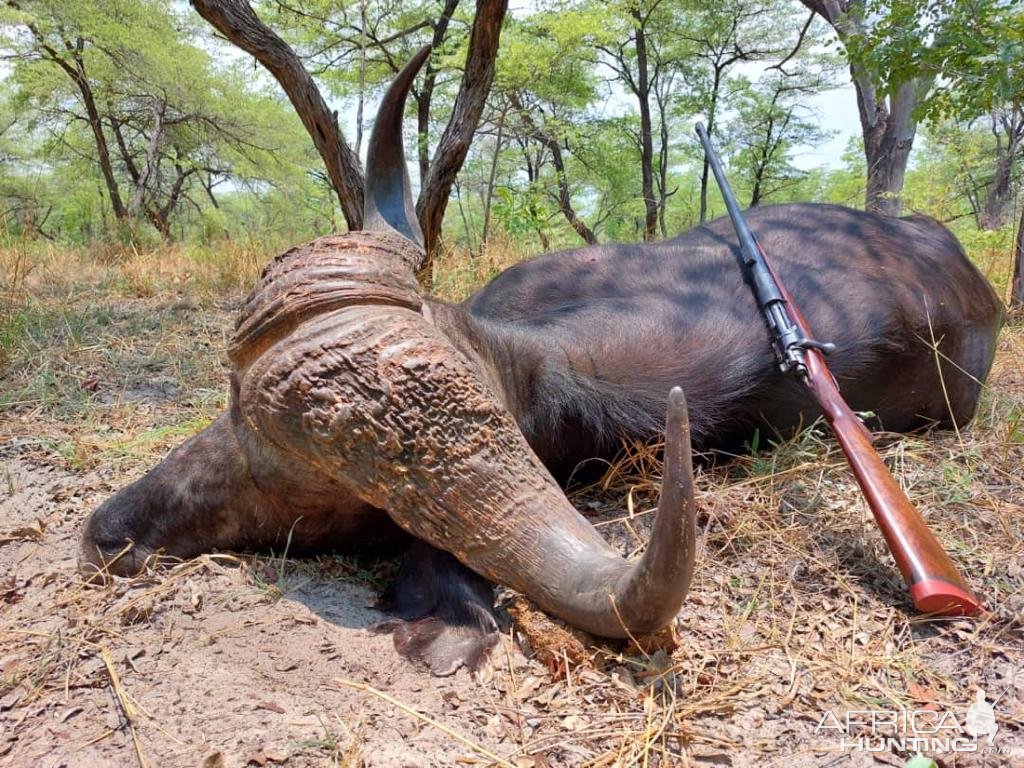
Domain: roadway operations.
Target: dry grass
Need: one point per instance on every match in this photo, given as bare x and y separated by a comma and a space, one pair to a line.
457, 274
109, 359
115, 355
798, 609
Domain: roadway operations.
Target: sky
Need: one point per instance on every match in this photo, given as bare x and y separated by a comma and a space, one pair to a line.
837, 110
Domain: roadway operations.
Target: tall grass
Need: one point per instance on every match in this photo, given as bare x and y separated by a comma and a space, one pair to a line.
35, 273
36, 270
458, 272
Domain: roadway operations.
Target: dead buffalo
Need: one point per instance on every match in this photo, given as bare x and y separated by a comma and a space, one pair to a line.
357, 403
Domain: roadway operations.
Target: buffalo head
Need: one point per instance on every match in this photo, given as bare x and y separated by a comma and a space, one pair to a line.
347, 400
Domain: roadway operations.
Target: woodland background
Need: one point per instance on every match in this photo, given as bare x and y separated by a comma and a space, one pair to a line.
218, 123
154, 156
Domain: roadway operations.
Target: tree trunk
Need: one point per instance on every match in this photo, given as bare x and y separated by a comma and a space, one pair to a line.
888, 138
361, 99
888, 128
765, 153
491, 178
424, 96
122, 145
160, 223
643, 94
564, 199
454, 143
151, 160
1017, 282
755, 193
77, 74
237, 21
102, 150
160, 218
997, 198
661, 96
999, 192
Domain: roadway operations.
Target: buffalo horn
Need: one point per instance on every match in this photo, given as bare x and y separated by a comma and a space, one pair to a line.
387, 201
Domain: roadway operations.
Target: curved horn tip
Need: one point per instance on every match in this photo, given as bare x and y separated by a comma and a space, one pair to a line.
418, 58
651, 593
676, 402
677, 419
387, 198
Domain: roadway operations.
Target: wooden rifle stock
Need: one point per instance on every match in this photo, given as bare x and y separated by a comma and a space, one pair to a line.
935, 585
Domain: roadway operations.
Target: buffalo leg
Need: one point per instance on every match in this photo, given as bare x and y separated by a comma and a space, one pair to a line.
445, 612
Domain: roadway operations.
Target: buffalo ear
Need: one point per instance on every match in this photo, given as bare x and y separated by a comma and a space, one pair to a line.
387, 201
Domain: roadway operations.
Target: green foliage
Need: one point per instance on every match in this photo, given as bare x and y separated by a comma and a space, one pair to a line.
173, 98
973, 50
519, 213
178, 127
979, 50
551, 55
770, 123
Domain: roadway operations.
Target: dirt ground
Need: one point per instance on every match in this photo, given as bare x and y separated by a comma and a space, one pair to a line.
238, 660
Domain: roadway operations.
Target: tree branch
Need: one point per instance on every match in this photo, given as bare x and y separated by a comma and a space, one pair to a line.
453, 145
237, 21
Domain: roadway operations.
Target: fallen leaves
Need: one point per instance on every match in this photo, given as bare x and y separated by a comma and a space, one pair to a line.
24, 533
271, 706
558, 646
263, 757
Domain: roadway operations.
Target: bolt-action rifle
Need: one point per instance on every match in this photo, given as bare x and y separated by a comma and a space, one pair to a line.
935, 585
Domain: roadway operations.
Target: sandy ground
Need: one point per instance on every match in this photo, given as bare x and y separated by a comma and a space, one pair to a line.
231, 662
255, 660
